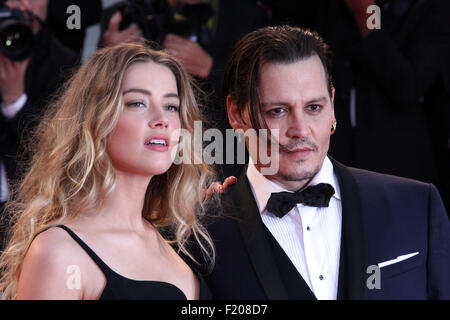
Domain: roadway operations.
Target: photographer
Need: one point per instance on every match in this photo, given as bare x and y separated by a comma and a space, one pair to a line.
25, 85
199, 33
187, 45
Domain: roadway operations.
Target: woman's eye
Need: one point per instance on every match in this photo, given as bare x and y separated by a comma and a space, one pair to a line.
136, 104
173, 108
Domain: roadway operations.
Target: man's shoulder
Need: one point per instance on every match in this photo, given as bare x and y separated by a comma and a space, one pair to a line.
376, 179
395, 190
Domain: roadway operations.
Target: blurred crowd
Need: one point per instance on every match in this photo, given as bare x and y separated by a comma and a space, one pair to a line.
392, 85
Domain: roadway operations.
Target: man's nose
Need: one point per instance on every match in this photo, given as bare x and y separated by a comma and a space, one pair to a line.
298, 126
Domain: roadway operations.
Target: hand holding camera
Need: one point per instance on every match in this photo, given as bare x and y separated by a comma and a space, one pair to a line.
114, 35
194, 58
172, 24
16, 45
12, 79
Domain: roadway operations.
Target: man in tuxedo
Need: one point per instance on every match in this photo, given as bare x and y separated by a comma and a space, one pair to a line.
316, 229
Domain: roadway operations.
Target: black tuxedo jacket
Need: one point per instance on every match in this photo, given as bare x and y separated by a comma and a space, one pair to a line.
49, 67
383, 217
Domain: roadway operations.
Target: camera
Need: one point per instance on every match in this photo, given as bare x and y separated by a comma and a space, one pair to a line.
156, 18
16, 37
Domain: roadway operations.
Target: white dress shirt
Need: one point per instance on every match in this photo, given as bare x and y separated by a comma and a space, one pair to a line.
310, 236
9, 112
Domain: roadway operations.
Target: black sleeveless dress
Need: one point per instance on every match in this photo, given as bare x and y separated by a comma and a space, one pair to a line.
119, 287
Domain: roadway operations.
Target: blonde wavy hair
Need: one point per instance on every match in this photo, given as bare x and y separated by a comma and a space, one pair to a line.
71, 172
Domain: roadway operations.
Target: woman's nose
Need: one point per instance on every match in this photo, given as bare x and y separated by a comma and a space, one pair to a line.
158, 120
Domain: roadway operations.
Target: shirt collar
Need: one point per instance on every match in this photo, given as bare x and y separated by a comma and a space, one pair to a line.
263, 187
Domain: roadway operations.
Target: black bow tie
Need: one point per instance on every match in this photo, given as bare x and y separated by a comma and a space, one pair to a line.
281, 203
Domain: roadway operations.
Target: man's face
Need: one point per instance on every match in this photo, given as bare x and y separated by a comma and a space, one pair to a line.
296, 101
38, 7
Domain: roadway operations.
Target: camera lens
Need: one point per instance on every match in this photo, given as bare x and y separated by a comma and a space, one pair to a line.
16, 40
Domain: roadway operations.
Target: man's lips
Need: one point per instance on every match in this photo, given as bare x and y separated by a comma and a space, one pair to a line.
297, 150
297, 153
300, 149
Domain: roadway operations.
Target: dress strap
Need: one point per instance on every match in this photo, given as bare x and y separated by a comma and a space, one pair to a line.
102, 265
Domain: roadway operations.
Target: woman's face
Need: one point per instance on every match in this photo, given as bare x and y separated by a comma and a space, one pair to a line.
146, 134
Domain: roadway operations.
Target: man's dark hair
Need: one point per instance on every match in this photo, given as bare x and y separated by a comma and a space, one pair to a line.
279, 44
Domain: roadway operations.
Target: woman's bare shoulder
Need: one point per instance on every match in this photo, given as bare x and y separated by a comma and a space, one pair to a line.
52, 267
54, 245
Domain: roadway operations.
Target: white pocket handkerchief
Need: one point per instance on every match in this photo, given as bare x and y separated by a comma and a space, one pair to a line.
398, 259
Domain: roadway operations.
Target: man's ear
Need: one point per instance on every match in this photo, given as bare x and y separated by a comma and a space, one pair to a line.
332, 101
234, 117
332, 96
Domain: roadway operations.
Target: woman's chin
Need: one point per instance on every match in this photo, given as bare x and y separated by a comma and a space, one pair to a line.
159, 170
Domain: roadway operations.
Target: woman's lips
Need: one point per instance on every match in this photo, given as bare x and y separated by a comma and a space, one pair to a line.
157, 143
157, 147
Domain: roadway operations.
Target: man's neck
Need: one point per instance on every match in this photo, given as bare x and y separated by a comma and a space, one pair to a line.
293, 186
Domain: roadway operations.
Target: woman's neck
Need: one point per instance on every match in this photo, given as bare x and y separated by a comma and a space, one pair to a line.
123, 206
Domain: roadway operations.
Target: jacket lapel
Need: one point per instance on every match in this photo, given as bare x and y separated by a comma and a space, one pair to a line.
353, 257
252, 230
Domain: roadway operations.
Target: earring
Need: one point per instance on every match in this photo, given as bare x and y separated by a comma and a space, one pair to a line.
333, 127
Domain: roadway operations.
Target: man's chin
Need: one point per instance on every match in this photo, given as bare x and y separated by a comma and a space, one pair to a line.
297, 175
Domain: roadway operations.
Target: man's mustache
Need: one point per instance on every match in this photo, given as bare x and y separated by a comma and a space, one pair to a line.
292, 144
298, 143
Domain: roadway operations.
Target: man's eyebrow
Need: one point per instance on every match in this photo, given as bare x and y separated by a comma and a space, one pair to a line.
274, 103
321, 99
149, 93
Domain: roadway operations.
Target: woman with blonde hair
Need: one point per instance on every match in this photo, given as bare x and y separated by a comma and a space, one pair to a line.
102, 185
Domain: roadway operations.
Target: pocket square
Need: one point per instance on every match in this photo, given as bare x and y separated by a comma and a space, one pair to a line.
398, 259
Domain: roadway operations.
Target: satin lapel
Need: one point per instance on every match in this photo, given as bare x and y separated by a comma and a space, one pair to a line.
256, 242
353, 259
